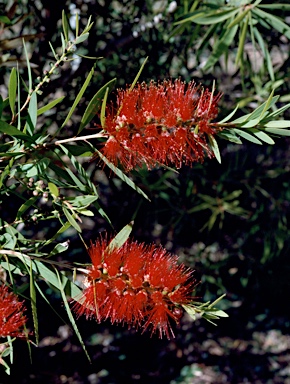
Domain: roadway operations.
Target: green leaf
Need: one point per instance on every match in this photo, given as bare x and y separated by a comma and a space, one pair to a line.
46, 300
282, 6
61, 286
49, 105
77, 24
221, 46
1, 105
121, 238
58, 233
37, 168
247, 136
81, 38
10, 130
267, 105
53, 189
138, 74
85, 212
278, 131
190, 310
263, 136
278, 111
59, 248
28, 203
65, 26
228, 117
205, 17
95, 104
82, 201
79, 150
121, 175
33, 304
80, 170
214, 147
250, 123
12, 87
218, 313
215, 17
32, 114
258, 112
278, 124
5, 20
28, 67
103, 109
242, 40
274, 21
53, 51
239, 18
71, 220
79, 96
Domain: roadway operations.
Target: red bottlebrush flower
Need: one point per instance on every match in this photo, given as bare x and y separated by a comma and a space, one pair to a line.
11, 314
164, 123
136, 284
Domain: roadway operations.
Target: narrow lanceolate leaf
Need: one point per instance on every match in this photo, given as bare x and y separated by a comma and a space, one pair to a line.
247, 136
81, 171
38, 168
242, 39
258, 112
81, 38
58, 233
138, 74
278, 124
53, 51
1, 105
215, 17
274, 21
221, 46
241, 16
33, 303
227, 118
267, 105
71, 220
12, 87
103, 109
214, 147
79, 96
121, 237
49, 105
77, 24
65, 26
95, 104
121, 175
28, 67
61, 287
28, 203
59, 248
32, 114
278, 131
263, 136
82, 201
10, 130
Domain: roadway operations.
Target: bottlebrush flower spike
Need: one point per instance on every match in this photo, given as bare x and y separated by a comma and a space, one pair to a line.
165, 123
11, 314
136, 284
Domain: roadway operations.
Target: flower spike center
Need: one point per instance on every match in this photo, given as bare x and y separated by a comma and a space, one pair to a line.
163, 123
140, 285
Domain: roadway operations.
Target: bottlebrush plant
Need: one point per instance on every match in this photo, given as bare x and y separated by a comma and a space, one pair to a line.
44, 183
